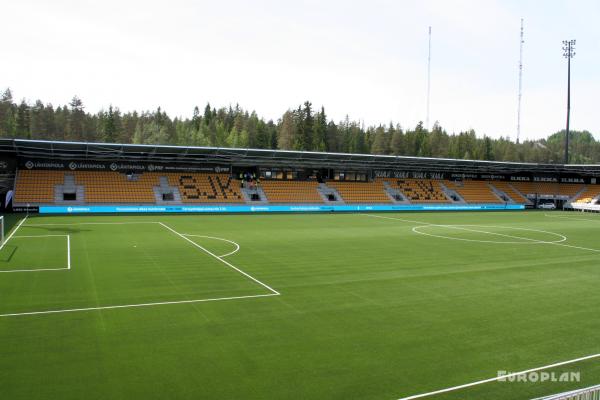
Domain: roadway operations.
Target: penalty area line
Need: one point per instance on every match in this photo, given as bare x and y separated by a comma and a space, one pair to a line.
35, 270
269, 288
96, 223
36, 236
502, 377
237, 246
69, 252
69, 310
67, 268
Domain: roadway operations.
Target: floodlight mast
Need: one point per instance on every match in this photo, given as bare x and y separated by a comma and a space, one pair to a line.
521, 41
428, 80
568, 53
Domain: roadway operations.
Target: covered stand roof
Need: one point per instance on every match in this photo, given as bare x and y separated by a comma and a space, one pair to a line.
273, 158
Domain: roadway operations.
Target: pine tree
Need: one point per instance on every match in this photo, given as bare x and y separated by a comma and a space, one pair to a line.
299, 136
397, 146
488, 150
381, 141
61, 117
8, 121
358, 143
110, 126
207, 114
220, 133
23, 121
251, 128
437, 141
421, 148
138, 136
130, 121
285, 133
299, 129
196, 120
320, 131
154, 133
307, 131
6, 97
262, 139
36, 122
333, 138
48, 122
76, 123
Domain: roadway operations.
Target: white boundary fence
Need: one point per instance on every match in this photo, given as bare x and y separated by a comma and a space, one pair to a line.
586, 207
589, 393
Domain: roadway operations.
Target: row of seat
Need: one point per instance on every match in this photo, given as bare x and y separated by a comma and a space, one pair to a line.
206, 187
291, 191
588, 194
548, 188
474, 191
34, 186
420, 190
509, 190
361, 192
127, 189
38, 186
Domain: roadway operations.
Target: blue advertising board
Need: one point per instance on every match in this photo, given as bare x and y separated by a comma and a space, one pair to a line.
273, 208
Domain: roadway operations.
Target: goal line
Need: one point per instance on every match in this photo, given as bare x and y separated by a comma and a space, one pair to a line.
68, 267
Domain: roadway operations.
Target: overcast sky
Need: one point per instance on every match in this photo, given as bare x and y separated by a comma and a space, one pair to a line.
367, 59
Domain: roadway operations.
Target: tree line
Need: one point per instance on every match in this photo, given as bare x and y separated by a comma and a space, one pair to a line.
301, 128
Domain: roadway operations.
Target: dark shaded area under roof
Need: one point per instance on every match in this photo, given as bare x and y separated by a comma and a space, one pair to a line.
273, 158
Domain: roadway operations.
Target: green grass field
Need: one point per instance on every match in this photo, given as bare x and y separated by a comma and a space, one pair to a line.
336, 306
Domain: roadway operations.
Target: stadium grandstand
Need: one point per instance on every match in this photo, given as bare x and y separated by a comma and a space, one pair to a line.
338, 275
49, 176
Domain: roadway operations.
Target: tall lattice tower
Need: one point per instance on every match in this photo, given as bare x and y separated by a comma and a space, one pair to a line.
521, 41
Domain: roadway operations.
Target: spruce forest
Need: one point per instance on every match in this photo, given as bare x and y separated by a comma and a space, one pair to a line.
301, 128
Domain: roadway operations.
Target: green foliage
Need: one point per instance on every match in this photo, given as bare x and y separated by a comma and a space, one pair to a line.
110, 120
301, 128
381, 141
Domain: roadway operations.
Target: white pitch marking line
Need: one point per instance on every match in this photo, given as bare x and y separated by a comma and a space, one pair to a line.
397, 219
36, 236
563, 238
542, 242
68, 267
575, 247
97, 223
497, 378
35, 270
218, 238
461, 227
137, 305
416, 229
273, 291
69, 252
13, 232
221, 259
575, 218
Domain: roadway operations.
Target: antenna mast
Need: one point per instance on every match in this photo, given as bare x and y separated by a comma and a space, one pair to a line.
569, 52
428, 79
521, 41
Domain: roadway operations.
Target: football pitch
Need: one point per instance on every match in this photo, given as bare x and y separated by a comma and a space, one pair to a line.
332, 306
